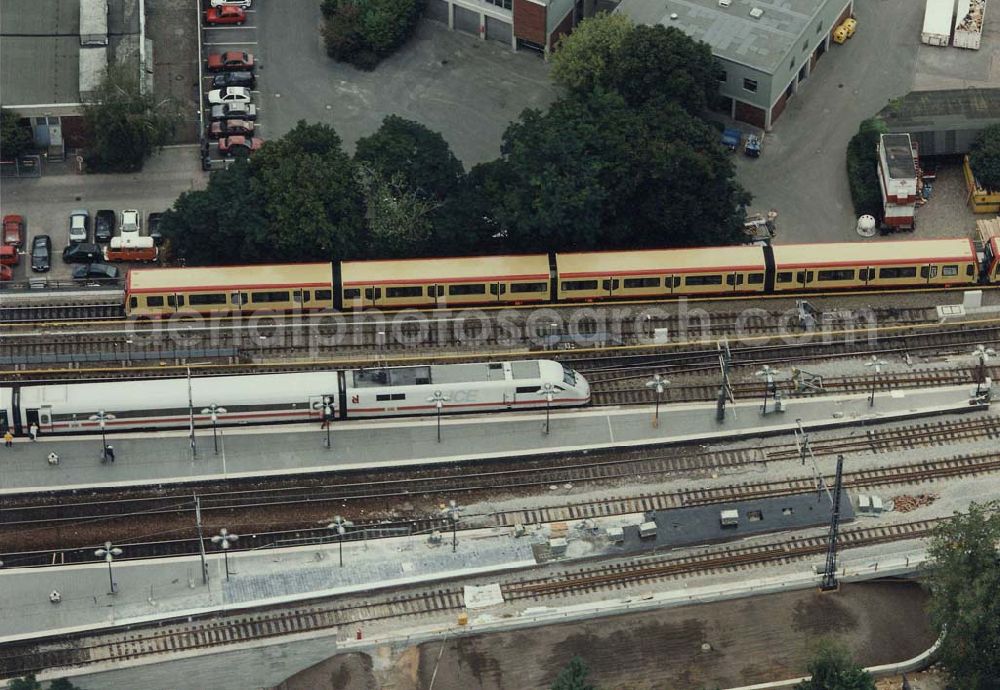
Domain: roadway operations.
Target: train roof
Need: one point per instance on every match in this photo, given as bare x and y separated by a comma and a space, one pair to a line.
230, 277
873, 253
648, 261
453, 270
431, 374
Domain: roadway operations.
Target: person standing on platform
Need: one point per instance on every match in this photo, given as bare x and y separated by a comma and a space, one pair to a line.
8, 439
33, 431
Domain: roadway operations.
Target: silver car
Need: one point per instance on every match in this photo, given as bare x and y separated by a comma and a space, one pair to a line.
79, 226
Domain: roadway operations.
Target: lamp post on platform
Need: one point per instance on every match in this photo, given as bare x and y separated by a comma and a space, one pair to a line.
983, 354
108, 553
340, 525
325, 408
215, 411
451, 511
768, 374
102, 418
223, 540
549, 391
439, 399
659, 385
876, 364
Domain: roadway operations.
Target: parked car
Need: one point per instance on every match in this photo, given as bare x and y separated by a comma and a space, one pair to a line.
225, 15
230, 94
238, 145
96, 271
104, 225
244, 4
79, 225
6, 273
226, 128
41, 253
225, 79
233, 60
153, 225
13, 230
131, 220
9, 256
239, 111
82, 253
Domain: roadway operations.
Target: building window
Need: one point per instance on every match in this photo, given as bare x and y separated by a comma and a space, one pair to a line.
750, 84
819, 27
791, 65
506, 4
805, 45
723, 76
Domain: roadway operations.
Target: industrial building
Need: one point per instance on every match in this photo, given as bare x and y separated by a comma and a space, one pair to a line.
766, 50
531, 24
53, 54
943, 123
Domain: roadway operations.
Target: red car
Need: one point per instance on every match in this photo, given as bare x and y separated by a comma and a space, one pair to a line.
232, 61
229, 146
225, 15
6, 273
13, 230
227, 128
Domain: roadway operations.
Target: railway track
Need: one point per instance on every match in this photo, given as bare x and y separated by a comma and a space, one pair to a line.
341, 616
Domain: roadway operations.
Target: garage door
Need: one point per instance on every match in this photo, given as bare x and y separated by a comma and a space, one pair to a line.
499, 30
466, 20
437, 10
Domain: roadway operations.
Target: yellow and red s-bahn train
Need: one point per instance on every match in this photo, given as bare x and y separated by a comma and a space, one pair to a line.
562, 277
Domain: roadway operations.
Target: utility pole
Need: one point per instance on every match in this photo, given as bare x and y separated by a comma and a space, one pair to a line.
830, 572
725, 390
194, 451
201, 540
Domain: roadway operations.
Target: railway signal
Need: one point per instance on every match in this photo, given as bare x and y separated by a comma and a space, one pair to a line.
983, 354
215, 411
658, 384
876, 364
108, 553
768, 374
223, 540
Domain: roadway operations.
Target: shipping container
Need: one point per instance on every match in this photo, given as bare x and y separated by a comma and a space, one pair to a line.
938, 17
969, 24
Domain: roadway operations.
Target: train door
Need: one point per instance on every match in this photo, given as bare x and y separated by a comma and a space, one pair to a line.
610, 286
373, 295
928, 273
33, 417
498, 290
867, 275
45, 418
734, 281
238, 299
436, 293
4, 422
804, 278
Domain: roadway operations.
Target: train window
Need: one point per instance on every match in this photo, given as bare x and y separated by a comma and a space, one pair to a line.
154, 301
352, 293
211, 298
174, 300
677, 281
866, 273
382, 397
784, 277
323, 294
803, 277
528, 287
904, 272
258, 297
306, 296
949, 271
703, 280
133, 302
609, 285
570, 285
438, 288
408, 291
498, 288
969, 270
527, 389
641, 282
734, 279
840, 274
373, 293
755, 278
928, 271
297, 296
467, 289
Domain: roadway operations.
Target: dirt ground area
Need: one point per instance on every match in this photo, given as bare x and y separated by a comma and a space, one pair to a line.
750, 641
172, 25
947, 213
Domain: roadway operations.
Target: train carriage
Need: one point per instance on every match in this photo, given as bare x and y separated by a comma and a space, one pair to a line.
229, 289
991, 260
660, 273
907, 263
482, 280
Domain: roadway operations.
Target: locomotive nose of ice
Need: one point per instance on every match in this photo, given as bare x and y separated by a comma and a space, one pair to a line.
582, 386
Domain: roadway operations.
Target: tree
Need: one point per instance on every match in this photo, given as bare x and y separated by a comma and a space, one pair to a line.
398, 220
964, 581
26, 683
363, 32
62, 684
15, 136
582, 58
573, 677
984, 157
832, 668
862, 168
124, 125
420, 156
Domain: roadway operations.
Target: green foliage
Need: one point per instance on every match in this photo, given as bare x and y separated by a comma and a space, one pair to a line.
421, 157
26, 683
363, 32
62, 684
573, 677
124, 126
984, 157
582, 58
398, 219
964, 581
296, 199
593, 173
862, 168
15, 136
832, 668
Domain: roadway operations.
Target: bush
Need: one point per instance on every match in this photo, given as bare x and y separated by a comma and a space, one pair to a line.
984, 158
363, 32
862, 169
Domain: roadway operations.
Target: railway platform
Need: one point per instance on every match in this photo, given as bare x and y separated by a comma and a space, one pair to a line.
162, 458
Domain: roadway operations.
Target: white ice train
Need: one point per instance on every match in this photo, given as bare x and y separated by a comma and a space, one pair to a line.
293, 397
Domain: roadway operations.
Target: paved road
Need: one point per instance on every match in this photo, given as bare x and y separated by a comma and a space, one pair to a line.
166, 458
